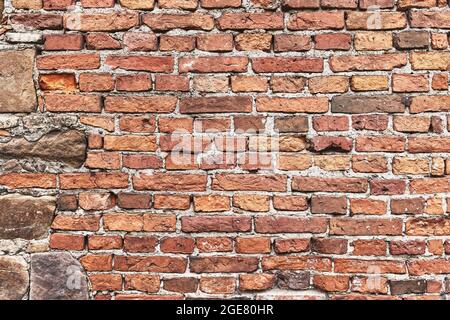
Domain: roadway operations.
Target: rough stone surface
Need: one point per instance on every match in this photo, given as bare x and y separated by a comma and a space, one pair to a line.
68, 147
25, 217
57, 276
13, 278
16, 80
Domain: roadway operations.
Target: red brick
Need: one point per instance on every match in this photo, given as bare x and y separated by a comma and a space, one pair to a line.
139, 244
296, 263
104, 242
286, 224
215, 224
62, 241
144, 283
287, 64
102, 41
353, 185
58, 81
37, 21
176, 43
140, 104
177, 245
256, 282
212, 64
292, 245
134, 201
28, 180
80, 61
97, 262
351, 226
140, 41
333, 41
191, 21
76, 223
141, 63
138, 82
101, 21
166, 181
252, 245
96, 82
316, 20
172, 83
159, 264
63, 42
183, 285
223, 264
105, 282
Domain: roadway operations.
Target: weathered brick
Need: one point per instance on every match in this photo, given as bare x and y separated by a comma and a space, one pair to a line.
386, 62
411, 40
367, 41
223, 264
292, 105
369, 83
241, 21
63, 42
215, 224
311, 184
165, 21
253, 41
387, 21
101, 21
213, 64
333, 41
215, 104
351, 226
287, 64
329, 205
367, 104
140, 104
287, 224
140, 63
256, 282
316, 20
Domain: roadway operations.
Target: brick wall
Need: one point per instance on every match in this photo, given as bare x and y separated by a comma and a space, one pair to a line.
231, 148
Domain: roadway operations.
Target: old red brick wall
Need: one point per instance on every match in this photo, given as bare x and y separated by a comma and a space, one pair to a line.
227, 148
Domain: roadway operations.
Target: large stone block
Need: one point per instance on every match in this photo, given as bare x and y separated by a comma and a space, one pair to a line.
13, 278
17, 93
57, 276
68, 147
25, 217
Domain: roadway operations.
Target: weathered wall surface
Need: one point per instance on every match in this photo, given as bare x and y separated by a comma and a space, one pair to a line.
314, 139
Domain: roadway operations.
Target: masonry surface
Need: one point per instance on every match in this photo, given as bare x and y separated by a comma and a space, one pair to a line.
314, 139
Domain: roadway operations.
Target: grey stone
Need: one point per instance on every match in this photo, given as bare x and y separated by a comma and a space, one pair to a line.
14, 278
7, 122
68, 147
12, 246
38, 124
25, 217
57, 276
18, 93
